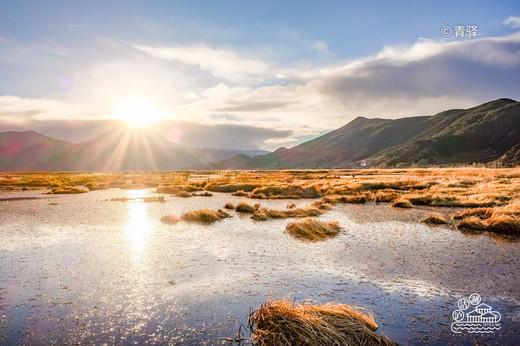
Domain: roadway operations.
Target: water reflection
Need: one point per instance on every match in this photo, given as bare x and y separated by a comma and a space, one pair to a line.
139, 227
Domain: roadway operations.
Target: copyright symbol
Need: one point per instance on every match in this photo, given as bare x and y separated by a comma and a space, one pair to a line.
446, 31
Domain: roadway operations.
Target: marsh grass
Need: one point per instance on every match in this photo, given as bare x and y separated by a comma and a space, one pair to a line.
202, 194
204, 216
240, 193
501, 220
245, 208
401, 203
468, 187
283, 322
266, 214
313, 230
66, 190
183, 194
435, 219
229, 206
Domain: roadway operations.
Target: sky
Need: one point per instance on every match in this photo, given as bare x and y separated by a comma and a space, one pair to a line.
247, 74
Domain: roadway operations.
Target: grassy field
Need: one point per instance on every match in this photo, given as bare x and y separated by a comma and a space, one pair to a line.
490, 197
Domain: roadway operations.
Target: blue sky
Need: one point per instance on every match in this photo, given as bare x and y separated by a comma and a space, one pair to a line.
282, 71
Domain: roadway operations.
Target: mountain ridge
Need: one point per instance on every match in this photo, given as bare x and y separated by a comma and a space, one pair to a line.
488, 133
483, 134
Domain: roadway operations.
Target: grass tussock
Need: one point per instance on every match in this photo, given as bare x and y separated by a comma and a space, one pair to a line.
435, 219
175, 189
283, 322
501, 220
204, 216
202, 194
353, 199
386, 196
473, 223
65, 190
219, 187
266, 214
313, 230
245, 208
229, 206
401, 203
240, 193
287, 192
322, 205
183, 194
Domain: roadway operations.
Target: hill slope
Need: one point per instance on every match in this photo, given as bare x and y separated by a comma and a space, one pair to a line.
480, 134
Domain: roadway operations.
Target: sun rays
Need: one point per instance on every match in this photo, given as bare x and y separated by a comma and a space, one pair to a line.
138, 111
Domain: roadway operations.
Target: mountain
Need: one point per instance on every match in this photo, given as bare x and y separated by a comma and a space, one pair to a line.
31, 151
485, 133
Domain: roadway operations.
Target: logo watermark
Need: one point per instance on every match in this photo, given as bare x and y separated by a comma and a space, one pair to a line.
460, 31
475, 316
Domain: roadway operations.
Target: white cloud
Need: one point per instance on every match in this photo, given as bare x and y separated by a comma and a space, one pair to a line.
513, 21
221, 63
26, 109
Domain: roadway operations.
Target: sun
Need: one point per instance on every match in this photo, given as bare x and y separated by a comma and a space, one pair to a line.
138, 111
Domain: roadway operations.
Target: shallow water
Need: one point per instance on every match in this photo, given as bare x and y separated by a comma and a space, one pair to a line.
79, 268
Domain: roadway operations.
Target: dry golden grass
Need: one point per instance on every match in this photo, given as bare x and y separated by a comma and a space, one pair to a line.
202, 194
313, 230
245, 208
240, 193
354, 199
401, 203
282, 322
183, 194
436, 219
473, 222
266, 214
230, 206
501, 220
204, 216
66, 190
469, 187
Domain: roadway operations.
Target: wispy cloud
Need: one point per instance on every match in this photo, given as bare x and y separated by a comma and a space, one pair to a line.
27, 109
513, 21
221, 63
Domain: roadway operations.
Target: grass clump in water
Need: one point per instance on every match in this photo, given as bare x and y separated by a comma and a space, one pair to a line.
183, 194
266, 214
245, 208
436, 219
501, 220
204, 216
313, 230
240, 194
66, 190
202, 194
283, 322
401, 203
230, 206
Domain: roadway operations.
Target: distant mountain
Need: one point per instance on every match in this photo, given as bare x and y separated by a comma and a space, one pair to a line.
489, 132
31, 151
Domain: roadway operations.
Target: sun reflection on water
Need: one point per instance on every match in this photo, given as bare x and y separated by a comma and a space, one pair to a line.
139, 227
